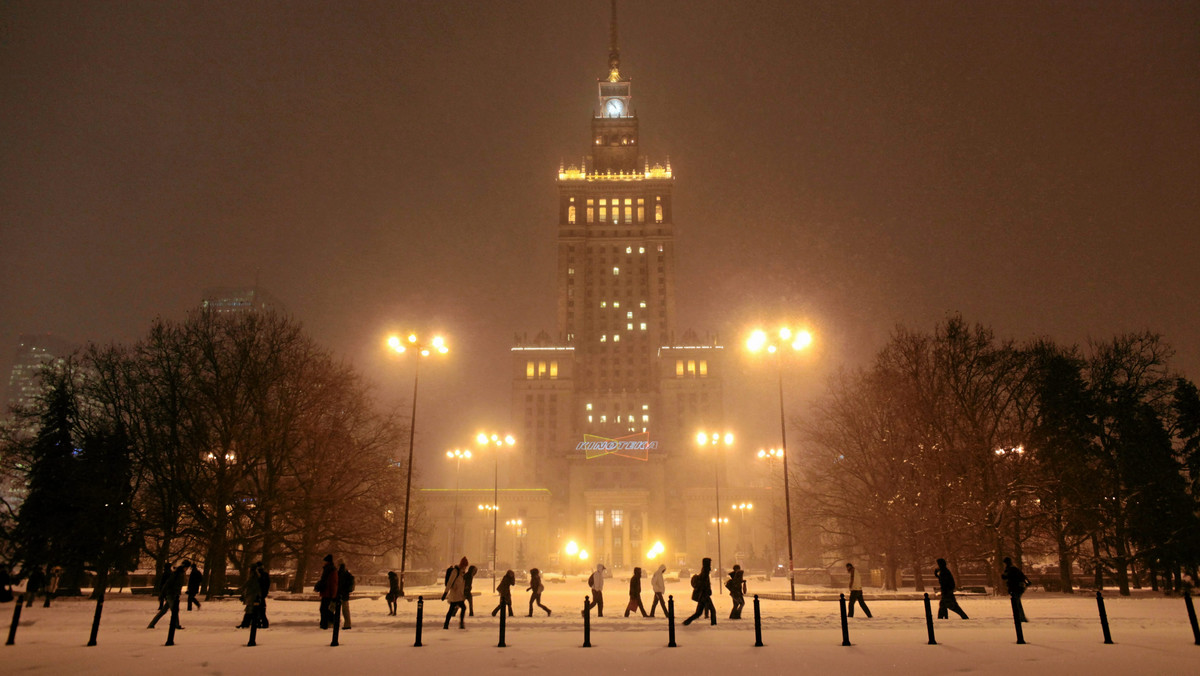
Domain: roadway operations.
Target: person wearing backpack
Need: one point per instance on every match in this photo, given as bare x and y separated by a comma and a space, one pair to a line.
345, 586
702, 593
455, 582
596, 582
635, 594
535, 588
736, 584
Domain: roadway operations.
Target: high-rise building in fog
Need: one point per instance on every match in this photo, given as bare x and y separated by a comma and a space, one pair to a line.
33, 352
239, 299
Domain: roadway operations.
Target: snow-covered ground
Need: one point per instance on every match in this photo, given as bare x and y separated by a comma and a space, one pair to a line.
1151, 634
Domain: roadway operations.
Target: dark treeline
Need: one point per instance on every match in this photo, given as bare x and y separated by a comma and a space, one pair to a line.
224, 438
956, 444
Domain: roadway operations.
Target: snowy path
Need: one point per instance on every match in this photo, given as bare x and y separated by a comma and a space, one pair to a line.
1152, 637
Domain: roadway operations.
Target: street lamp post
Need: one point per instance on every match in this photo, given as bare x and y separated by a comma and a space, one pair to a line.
499, 442
457, 455
719, 441
799, 340
437, 345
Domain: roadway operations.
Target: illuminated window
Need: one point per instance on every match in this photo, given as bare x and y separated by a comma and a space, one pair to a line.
645, 418
604, 213
628, 212
541, 368
616, 270
589, 407
643, 304
679, 367
554, 367
660, 248
589, 418
657, 214
691, 367
603, 303
571, 214
628, 249
529, 369
629, 327
590, 215
597, 140
616, 303
645, 407
603, 338
641, 210
703, 367
617, 516
643, 326
629, 315
599, 517
616, 337
603, 418
641, 249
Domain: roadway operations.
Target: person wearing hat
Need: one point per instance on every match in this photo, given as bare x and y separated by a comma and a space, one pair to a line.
327, 587
455, 585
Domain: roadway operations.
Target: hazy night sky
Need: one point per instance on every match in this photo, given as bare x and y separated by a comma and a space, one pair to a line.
378, 165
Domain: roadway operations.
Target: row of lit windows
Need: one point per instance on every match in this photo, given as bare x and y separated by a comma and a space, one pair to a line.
691, 368
617, 419
617, 516
616, 249
541, 369
616, 211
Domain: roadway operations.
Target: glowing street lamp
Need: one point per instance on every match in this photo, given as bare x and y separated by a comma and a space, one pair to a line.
412, 343
784, 339
499, 442
719, 441
457, 455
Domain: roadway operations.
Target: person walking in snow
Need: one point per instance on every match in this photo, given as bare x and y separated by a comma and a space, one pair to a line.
195, 581
455, 583
947, 602
393, 591
345, 586
505, 591
34, 584
596, 583
736, 584
468, 595
1016, 582
327, 587
635, 594
172, 590
264, 587
856, 594
251, 597
535, 589
659, 586
702, 593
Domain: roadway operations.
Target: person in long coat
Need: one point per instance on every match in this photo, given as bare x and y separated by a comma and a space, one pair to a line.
393, 592
172, 590
195, 581
34, 584
702, 593
947, 601
659, 586
535, 589
264, 585
635, 594
345, 586
251, 597
468, 594
327, 588
455, 585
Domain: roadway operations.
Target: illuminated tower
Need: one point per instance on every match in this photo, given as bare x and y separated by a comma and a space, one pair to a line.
608, 405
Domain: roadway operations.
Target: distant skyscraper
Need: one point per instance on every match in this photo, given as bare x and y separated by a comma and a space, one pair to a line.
33, 351
609, 408
239, 299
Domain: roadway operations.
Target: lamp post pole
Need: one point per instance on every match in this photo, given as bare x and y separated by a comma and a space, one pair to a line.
457, 455
759, 340
717, 439
439, 346
497, 441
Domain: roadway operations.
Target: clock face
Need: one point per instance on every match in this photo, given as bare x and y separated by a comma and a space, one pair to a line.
613, 107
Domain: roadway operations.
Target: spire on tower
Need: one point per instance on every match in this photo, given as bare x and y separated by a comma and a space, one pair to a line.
614, 54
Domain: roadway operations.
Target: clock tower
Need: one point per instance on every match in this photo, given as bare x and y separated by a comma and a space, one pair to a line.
615, 127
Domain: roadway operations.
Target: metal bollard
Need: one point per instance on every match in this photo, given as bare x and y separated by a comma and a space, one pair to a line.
420, 619
845, 625
503, 614
587, 623
1187, 601
96, 619
757, 624
929, 620
1103, 618
1016, 610
337, 622
671, 622
12, 629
